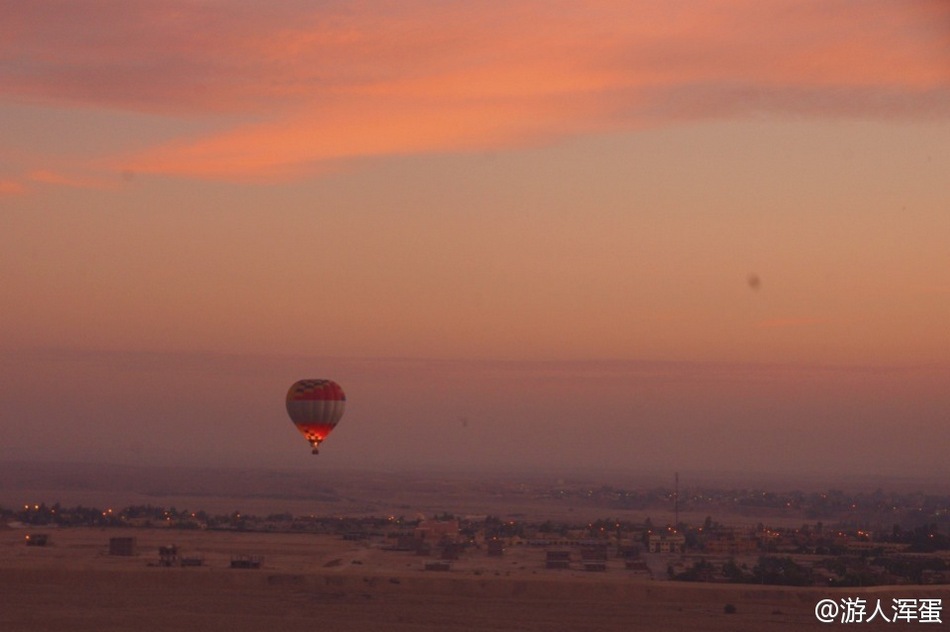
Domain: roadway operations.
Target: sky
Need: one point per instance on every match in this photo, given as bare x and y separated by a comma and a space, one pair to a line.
641, 235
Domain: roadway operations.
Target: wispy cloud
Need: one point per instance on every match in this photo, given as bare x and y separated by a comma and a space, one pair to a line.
11, 187
45, 176
311, 85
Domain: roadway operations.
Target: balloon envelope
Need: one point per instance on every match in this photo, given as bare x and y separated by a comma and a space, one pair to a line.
315, 407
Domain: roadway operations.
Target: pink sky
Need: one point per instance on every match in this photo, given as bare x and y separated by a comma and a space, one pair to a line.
482, 184
294, 86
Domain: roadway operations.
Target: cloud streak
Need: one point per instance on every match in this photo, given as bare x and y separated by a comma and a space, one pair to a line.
11, 187
45, 176
306, 86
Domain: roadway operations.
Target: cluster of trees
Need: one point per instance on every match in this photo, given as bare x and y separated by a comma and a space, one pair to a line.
43, 514
773, 570
157, 516
924, 538
145, 515
847, 571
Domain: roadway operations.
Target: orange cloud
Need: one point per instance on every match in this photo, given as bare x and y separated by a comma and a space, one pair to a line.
11, 187
79, 182
309, 85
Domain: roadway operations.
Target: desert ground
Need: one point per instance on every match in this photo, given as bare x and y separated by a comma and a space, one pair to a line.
321, 582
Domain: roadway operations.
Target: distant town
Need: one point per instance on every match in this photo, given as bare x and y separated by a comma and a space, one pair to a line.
827, 538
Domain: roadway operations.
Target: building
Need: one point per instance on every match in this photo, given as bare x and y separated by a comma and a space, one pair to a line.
246, 561
439, 565
637, 564
557, 559
666, 542
122, 546
450, 551
594, 553
730, 543
437, 530
168, 555
628, 552
421, 547
37, 539
192, 560
404, 542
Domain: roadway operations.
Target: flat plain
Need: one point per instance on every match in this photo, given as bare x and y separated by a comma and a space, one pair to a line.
325, 582
309, 582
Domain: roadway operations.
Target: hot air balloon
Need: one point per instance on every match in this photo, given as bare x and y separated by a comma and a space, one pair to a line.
315, 407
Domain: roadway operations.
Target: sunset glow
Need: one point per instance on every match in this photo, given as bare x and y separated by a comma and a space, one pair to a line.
546, 189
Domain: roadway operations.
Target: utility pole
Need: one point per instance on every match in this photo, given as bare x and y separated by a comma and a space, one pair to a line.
676, 502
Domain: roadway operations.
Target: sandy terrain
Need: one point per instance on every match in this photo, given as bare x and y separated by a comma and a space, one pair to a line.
320, 582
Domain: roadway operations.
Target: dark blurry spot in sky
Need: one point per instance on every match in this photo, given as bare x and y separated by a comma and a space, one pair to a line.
754, 282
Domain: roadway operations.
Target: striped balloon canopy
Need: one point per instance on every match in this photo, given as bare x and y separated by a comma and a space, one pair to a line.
315, 407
